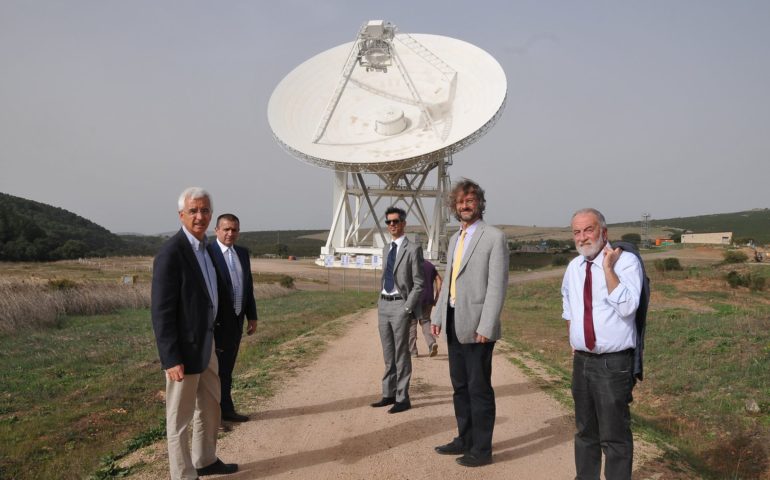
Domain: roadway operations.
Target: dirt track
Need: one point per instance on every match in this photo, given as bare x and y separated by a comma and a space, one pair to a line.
320, 425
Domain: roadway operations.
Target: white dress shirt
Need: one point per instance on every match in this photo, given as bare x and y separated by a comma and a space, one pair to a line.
613, 314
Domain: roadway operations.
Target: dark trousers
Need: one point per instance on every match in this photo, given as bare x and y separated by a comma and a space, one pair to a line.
470, 369
601, 388
226, 356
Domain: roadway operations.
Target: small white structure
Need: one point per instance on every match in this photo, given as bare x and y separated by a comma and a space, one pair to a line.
718, 238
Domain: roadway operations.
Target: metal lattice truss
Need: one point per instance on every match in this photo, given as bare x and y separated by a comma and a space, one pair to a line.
360, 207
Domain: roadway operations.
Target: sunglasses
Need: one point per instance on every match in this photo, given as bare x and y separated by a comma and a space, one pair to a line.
395, 221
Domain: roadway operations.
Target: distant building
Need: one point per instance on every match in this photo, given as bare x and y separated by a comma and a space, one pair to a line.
718, 238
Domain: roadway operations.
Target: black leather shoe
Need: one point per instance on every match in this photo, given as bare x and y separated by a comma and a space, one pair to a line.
234, 417
451, 448
217, 468
385, 401
399, 407
471, 460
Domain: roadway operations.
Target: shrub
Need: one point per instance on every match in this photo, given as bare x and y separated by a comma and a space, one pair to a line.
560, 261
672, 264
735, 279
634, 238
667, 264
62, 284
286, 281
735, 256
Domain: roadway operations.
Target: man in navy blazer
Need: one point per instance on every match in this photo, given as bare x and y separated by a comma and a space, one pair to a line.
234, 269
184, 304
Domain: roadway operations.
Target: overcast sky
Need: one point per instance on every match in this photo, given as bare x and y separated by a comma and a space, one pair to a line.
110, 108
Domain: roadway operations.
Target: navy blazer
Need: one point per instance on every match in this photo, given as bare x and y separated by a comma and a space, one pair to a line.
182, 312
229, 327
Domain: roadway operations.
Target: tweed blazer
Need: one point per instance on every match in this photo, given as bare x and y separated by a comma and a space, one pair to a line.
481, 285
407, 274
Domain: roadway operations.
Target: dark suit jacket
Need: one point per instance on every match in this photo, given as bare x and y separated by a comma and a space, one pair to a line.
182, 312
229, 327
407, 274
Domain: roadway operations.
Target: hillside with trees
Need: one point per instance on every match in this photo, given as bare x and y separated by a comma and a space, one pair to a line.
32, 230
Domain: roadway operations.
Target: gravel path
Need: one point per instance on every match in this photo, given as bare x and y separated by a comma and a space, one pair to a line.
320, 424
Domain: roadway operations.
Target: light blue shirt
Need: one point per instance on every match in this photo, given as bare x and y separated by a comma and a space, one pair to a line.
206, 266
613, 314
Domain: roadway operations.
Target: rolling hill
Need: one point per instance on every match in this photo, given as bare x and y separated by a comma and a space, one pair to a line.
748, 225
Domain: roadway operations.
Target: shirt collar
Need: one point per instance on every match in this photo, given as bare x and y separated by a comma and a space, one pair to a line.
196, 244
223, 247
399, 240
471, 228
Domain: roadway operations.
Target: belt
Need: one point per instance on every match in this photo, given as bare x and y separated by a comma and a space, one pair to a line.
627, 351
390, 298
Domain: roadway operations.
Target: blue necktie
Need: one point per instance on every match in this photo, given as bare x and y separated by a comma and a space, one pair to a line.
389, 267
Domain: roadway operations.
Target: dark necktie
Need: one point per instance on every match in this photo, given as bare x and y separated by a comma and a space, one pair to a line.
389, 267
588, 312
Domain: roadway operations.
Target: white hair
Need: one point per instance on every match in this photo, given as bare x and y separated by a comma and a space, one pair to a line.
592, 211
193, 193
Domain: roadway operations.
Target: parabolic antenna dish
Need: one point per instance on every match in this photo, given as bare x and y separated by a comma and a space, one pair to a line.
437, 96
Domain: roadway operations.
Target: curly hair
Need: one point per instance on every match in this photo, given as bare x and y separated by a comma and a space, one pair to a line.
466, 186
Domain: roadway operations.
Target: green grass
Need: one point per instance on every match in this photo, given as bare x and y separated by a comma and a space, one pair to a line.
75, 398
700, 368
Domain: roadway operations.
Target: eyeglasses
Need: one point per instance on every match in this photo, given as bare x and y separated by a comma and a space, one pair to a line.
395, 221
467, 201
194, 211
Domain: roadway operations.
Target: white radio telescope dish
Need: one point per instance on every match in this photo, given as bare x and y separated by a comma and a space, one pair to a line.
392, 104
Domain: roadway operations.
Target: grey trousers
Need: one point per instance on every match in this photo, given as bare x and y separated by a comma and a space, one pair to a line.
393, 324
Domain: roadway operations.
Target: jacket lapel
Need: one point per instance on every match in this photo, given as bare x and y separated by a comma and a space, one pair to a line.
221, 264
400, 254
192, 260
468, 249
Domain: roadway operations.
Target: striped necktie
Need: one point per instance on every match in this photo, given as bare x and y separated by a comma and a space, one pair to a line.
235, 278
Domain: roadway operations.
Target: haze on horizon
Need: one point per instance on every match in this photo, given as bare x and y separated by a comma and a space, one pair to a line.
110, 109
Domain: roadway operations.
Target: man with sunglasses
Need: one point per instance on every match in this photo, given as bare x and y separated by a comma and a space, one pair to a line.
402, 284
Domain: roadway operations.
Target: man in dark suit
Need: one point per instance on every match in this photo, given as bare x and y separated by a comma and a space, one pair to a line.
402, 283
184, 305
469, 307
234, 268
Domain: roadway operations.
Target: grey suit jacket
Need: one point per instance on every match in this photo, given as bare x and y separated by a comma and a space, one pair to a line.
481, 285
407, 274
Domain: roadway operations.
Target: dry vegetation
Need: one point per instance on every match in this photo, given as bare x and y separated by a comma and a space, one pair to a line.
40, 294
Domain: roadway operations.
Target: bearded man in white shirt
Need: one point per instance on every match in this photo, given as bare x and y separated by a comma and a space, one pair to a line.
600, 294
